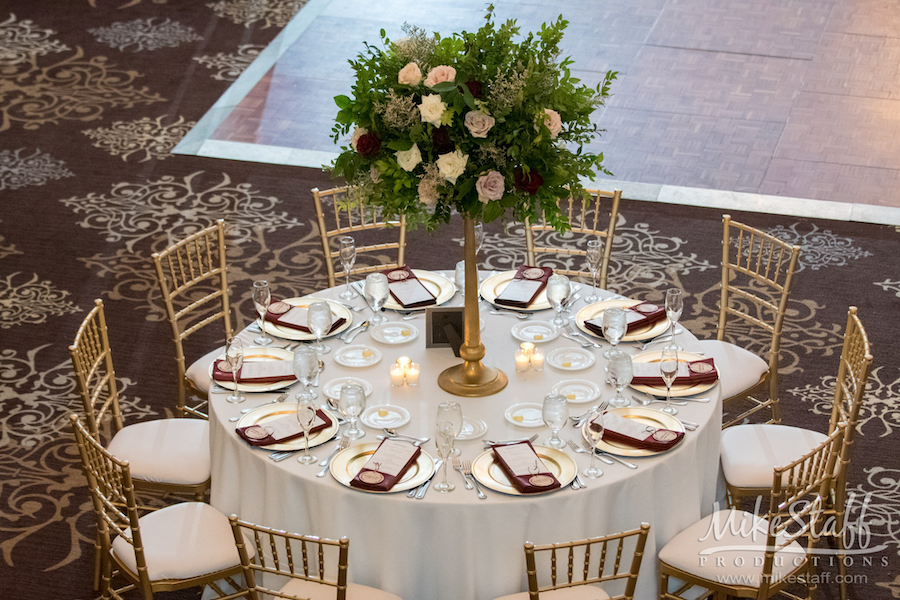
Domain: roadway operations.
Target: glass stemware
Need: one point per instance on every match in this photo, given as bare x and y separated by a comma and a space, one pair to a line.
674, 307
306, 368
668, 368
443, 439
614, 324
376, 291
234, 360
621, 371
348, 259
262, 297
352, 402
451, 412
595, 433
479, 236
558, 288
555, 413
594, 258
306, 416
318, 319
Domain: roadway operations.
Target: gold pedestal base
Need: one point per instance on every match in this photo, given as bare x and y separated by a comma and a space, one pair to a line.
472, 380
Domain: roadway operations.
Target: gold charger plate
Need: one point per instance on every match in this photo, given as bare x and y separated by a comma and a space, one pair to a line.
442, 288
256, 354
490, 475
649, 416
595, 311
494, 285
347, 463
677, 390
337, 311
267, 412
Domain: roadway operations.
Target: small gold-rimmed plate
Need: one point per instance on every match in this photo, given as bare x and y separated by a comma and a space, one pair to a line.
332, 389
439, 286
647, 416
472, 429
534, 331
490, 475
385, 415
571, 359
268, 412
357, 356
595, 311
257, 354
526, 414
338, 311
577, 391
494, 285
654, 356
392, 333
347, 463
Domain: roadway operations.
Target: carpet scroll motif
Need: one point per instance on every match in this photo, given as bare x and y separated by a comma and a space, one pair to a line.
19, 168
144, 34
228, 67
147, 138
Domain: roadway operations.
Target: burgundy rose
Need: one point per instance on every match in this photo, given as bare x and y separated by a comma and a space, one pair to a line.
475, 88
441, 140
529, 182
368, 144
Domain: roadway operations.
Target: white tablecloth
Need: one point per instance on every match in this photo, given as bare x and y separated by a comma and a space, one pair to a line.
452, 546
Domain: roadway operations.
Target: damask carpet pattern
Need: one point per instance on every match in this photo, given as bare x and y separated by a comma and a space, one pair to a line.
93, 96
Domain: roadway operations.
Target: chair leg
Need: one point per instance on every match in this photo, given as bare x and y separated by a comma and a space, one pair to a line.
663, 585
98, 561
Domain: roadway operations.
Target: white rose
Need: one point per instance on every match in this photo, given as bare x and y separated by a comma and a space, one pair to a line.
490, 186
357, 133
452, 165
410, 74
553, 122
408, 159
432, 108
440, 74
478, 123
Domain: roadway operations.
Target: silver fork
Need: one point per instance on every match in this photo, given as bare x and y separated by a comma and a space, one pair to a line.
343, 445
510, 313
581, 450
574, 332
467, 471
458, 467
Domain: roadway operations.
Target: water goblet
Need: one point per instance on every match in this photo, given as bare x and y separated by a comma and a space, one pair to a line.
234, 360
306, 368
262, 297
558, 288
668, 368
451, 412
674, 308
348, 259
306, 417
318, 319
614, 326
352, 402
376, 291
443, 439
621, 371
595, 434
555, 413
594, 258
459, 276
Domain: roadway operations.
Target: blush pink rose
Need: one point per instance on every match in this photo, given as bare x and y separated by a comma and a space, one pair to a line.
490, 186
478, 123
410, 74
553, 122
440, 74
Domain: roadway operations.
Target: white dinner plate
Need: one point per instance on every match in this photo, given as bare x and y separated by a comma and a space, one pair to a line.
527, 414
577, 391
570, 359
646, 416
534, 331
257, 354
357, 356
440, 287
392, 333
332, 389
677, 390
494, 285
595, 311
472, 429
385, 415
337, 311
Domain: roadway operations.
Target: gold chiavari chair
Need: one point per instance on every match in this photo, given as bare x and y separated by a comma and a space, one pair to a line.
176, 547
315, 568
194, 285
757, 272
750, 451
587, 217
735, 553
596, 567
341, 212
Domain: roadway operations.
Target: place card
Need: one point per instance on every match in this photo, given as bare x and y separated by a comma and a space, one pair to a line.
524, 468
294, 317
688, 373
525, 286
636, 317
406, 288
268, 371
637, 434
282, 429
387, 465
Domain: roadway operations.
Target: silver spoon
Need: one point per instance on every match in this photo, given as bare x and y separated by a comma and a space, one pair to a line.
392, 433
508, 313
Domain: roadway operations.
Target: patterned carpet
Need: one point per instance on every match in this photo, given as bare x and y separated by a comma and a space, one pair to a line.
94, 94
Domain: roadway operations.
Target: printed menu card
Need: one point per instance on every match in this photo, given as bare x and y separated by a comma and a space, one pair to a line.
632, 432
526, 285
689, 373
267, 371
282, 429
636, 317
406, 288
294, 317
524, 468
386, 466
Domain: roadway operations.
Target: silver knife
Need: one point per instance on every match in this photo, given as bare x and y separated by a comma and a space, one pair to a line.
424, 488
580, 481
348, 337
489, 443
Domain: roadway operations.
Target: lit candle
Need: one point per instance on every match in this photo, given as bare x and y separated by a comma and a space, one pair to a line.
537, 360
527, 348
521, 360
412, 374
403, 362
397, 375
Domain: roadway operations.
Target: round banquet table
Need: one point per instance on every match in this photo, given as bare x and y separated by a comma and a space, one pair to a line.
453, 545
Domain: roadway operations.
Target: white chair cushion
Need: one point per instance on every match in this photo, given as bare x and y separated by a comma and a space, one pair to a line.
739, 370
581, 592
182, 541
165, 450
729, 528
198, 372
751, 452
317, 591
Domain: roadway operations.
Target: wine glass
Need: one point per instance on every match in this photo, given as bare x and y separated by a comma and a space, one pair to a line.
352, 402
614, 326
555, 413
443, 439
376, 291
595, 433
262, 297
479, 236
318, 319
451, 412
674, 307
668, 368
306, 368
594, 258
348, 259
557, 291
459, 275
620, 371
234, 360
306, 416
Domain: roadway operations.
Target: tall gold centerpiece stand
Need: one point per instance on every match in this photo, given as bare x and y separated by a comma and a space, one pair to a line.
471, 378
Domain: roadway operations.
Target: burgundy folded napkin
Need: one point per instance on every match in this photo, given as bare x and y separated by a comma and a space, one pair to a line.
282, 429
637, 317
269, 371
636, 434
689, 373
294, 317
524, 468
525, 286
391, 460
406, 288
